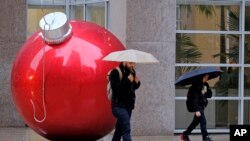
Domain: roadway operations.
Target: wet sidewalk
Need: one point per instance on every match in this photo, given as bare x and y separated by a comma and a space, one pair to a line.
26, 134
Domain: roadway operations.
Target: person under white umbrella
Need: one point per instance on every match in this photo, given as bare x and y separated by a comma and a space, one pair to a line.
124, 82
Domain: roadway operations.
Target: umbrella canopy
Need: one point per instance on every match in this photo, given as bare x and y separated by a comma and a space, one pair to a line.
191, 76
131, 55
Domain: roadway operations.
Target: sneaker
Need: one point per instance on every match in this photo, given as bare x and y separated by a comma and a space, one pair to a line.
184, 137
208, 139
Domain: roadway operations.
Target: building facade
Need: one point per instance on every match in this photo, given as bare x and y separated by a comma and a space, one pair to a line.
138, 24
183, 34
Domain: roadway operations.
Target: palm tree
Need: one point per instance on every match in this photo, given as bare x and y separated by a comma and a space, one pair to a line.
186, 50
208, 10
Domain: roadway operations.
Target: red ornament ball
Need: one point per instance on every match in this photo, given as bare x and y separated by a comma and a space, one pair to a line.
60, 90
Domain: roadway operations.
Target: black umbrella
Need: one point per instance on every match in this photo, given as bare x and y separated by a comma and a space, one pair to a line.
191, 76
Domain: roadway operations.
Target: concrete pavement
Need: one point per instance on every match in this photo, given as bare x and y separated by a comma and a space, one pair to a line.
26, 134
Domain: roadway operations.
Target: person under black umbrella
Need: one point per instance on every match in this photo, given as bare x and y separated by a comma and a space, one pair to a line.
197, 97
197, 102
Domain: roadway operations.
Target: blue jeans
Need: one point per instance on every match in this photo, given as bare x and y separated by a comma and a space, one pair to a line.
198, 120
122, 127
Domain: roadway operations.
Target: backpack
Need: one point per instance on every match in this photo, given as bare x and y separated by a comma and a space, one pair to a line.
189, 102
109, 89
190, 105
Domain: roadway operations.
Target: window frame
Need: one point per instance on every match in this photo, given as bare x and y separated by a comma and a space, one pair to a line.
67, 4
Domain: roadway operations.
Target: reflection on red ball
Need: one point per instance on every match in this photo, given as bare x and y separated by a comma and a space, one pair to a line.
73, 104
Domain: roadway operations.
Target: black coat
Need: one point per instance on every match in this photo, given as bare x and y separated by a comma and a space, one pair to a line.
196, 101
123, 90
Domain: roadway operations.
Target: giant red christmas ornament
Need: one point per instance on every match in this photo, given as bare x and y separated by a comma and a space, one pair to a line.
58, 80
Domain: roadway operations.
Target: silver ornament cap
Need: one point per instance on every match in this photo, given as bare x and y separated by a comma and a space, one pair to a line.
55, 28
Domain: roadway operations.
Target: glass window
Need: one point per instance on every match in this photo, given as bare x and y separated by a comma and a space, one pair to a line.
247, 16
207, 48
247, 112
247, 49
96, 13
90, 10
77, 12
247, 82
35, 15
208, 17
44, 3
226, 113
219, 114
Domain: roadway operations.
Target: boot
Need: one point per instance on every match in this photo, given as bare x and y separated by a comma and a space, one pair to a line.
184, 137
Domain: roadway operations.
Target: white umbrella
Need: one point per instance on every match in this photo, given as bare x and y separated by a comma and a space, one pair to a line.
131, 55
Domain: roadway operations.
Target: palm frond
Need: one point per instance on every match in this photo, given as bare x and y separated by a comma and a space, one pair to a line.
186, 50
208, 10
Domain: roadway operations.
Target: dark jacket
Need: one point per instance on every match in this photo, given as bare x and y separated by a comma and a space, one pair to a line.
123, 90
196, 101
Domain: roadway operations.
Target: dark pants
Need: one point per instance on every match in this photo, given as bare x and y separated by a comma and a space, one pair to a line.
122, 128
203, 125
